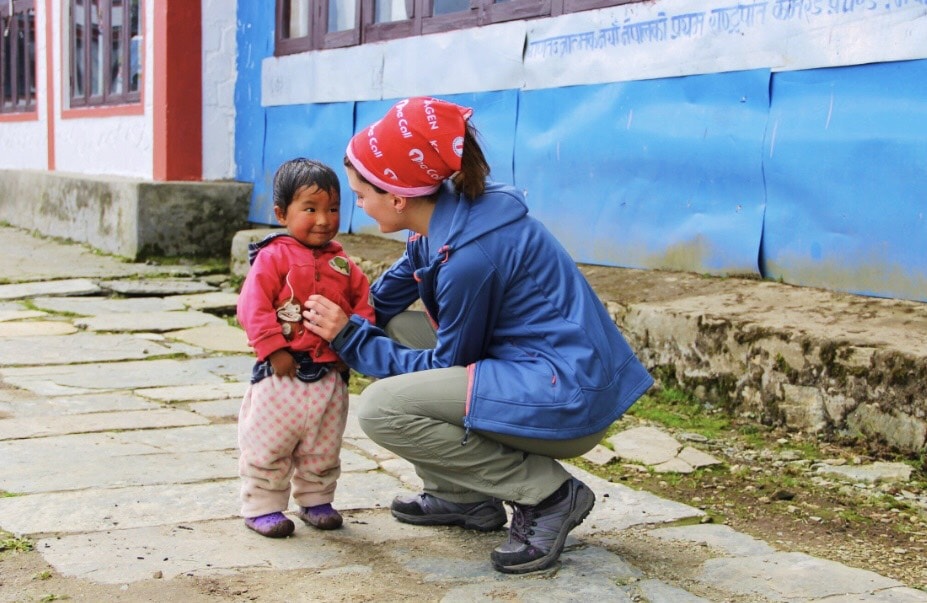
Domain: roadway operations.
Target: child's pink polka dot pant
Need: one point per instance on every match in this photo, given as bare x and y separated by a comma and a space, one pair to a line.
289, 434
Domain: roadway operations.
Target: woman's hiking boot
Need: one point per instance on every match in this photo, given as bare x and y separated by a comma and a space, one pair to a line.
537, 532
427, 510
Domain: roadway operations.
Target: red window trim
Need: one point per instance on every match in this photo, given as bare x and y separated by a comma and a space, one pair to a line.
32, 115
91, 111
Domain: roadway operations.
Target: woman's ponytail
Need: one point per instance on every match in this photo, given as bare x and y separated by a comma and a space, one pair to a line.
474, 169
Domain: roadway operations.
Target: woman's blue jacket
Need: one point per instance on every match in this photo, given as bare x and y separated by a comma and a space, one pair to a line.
545, 359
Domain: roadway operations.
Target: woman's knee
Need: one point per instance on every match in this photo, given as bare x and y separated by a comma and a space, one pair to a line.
367, 405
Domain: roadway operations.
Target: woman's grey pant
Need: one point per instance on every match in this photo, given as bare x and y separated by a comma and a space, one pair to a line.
419, 416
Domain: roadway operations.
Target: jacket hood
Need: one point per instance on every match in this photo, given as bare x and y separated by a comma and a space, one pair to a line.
287, 239
458, 220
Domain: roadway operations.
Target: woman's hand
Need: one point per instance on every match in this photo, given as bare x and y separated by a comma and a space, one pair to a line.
324, 317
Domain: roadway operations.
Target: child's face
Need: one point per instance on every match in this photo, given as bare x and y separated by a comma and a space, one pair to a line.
312, 217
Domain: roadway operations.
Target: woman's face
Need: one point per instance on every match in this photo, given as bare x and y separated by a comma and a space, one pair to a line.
379, 206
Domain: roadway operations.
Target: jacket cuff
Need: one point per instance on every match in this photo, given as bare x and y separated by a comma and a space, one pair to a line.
346, 333
269, 345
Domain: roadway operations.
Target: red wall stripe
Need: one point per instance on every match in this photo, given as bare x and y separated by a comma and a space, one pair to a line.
178, 94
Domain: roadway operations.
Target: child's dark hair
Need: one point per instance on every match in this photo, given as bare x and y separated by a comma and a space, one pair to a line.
297, 173
474, 169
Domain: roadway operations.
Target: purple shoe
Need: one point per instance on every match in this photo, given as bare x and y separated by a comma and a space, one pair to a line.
272, 525
322, 517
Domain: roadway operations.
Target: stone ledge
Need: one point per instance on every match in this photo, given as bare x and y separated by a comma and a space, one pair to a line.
818, 377
128, 217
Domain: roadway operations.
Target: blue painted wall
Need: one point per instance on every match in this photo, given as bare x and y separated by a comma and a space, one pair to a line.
813, 177
846, 178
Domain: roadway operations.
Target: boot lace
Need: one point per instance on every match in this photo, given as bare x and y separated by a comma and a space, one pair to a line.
523, 520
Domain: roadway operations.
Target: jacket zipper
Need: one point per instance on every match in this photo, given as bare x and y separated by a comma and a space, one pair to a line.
466, 437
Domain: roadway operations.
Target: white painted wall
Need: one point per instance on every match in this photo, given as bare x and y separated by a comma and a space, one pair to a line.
23, 143
111, 145
219, 73
124, 145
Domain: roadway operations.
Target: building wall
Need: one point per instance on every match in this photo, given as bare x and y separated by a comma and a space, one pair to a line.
115, 141
119, 141
219, 50
23, 138
778, 138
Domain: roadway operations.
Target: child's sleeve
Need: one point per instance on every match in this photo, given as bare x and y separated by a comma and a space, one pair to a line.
256, 312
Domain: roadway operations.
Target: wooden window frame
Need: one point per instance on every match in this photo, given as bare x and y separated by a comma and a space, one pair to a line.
421, 21
18, 101
106, 97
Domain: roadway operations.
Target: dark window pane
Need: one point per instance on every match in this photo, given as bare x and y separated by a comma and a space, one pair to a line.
30, 67
96, 49
117, 81
444, 7
341, 15
392, 10
106, 43
21, 57
299, 19
7, 53
78, 83
135, 46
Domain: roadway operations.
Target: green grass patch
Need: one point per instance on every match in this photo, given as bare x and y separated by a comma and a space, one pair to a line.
8, 542
676, 409
358, 382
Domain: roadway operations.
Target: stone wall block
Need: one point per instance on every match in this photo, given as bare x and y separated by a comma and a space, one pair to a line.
781, 376
900, 431
127, 217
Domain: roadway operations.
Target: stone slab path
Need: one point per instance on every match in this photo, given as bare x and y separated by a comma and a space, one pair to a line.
118, 459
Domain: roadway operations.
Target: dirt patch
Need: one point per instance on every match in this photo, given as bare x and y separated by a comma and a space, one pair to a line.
375, 574
770, 490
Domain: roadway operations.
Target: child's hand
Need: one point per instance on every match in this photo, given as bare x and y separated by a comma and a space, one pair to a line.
283, 363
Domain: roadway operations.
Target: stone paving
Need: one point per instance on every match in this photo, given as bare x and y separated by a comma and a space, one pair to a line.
117, 455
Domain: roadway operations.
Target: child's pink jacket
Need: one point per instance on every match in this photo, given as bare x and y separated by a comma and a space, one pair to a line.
283, 269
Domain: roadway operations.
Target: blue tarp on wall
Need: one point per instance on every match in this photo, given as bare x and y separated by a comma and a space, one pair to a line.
651, 174
846, 175
255, 40
318, 132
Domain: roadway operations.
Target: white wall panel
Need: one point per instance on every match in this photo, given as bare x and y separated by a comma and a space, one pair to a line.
219, 48
23, 144
111, 145
485, 58
671, 38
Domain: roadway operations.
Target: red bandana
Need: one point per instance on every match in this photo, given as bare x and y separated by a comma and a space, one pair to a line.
413, 148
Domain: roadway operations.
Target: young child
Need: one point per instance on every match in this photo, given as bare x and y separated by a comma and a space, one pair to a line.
293, 415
